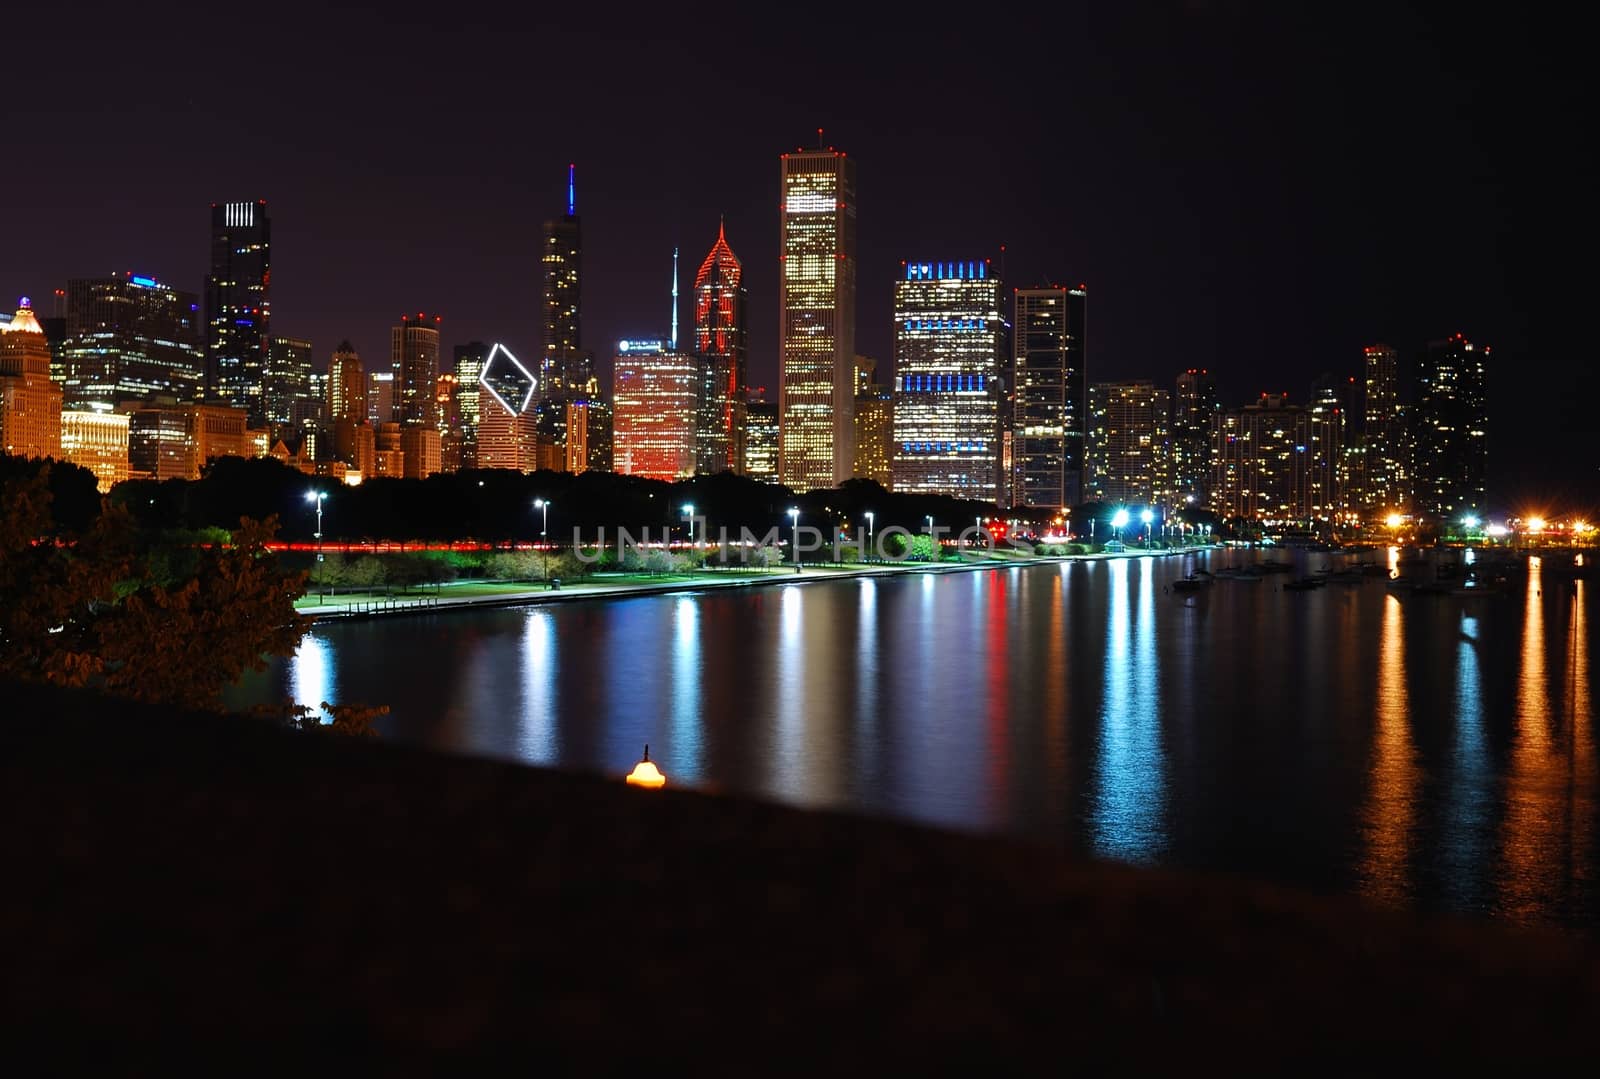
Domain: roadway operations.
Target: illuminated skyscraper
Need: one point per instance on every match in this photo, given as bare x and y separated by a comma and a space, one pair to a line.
469, 361
761, 441
414, 354
950, 342
1450, 428
347, 385
128, 336
286, 379
1194, 406
30, 401
1383, 483
655, 394
97, 440
1129, 443
1049, 409
238, 304
1263, 463
816, 318
564, 366
1324, 448
720, 345
380, 396
875, 435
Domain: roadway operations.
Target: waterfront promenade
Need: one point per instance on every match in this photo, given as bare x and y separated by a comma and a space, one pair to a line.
473, 594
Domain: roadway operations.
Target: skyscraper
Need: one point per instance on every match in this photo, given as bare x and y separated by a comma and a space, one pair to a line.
30, 401
875, 435
1263, 457
414, 354
951, 340
1450, 427
1194, 406
286, 378
127, 336
347, 385
1129, 443
655, 394
238, 304
816, 318
761, 441
469, 361
1383, 485
720, 344
1049, 407
564, 367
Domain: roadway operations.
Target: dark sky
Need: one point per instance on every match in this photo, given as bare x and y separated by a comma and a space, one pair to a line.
1254, 190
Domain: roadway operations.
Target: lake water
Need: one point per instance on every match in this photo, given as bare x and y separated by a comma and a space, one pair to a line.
1427, 751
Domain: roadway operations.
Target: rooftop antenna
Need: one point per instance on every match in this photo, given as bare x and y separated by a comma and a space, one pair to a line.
819, 138
674, 299
1003, 276
572, 190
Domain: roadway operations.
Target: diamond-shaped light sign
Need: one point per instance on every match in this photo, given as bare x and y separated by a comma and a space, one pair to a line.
511, 383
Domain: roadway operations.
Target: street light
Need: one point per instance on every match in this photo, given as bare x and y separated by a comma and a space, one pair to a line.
794, 534
1119, 521
931, 540
317, 497
688, 511
870, 547
1147, 517
544, 529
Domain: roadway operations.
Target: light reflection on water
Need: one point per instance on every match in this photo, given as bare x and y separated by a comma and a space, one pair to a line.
1429, 751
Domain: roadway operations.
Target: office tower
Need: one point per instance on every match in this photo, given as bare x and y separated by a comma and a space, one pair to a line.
1384, 482
1129, 443
414, 357
469, 361
564, 367
950, 342
506, 439
655, 397
1449, 426
347, 384
97, 440
865, 374
1263, 455
816, 318
1324, 449
55, 332
720, 345
875, 435
380, 396
175, 439
761, 441
127, 336
422, 450
286, 379
588, 435
1049, 408
238, 304
1194, 406
30, 401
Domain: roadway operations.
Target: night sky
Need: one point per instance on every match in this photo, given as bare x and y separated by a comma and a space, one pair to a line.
1255, 191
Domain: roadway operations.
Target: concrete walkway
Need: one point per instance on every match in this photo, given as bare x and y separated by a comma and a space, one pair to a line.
598, 588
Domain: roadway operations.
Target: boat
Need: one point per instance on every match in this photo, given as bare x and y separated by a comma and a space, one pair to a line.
1301, 584
1373, 569
1190, 583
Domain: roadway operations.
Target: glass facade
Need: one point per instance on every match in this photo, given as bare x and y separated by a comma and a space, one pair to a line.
287, 378
655, 398
951, 338
1048, 404
238, 304
816, 318
127, 337
414, 354
720, 345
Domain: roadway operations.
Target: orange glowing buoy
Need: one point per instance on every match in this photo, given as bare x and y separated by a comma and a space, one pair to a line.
645, 774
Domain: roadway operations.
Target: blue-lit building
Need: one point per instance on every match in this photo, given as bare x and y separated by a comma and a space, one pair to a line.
951, 342
238, 305
129, 336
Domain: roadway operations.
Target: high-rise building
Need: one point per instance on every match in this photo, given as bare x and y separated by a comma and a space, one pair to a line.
655, 394
564, 366
97, 440
1129, 443
761, 441
469, 361
414, 355
951, 338
286, 379
1450, 429
1264, 454
875, 435
380, 396
589, 435
720, 344
347, 384
238, 304
1324, 448
816, 318
175, 440
1383, 486
422, 451
1049, 406
1194, 407
128, 335
30, 401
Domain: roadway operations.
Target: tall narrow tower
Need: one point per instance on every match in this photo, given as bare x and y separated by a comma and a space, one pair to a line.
720, 345
238, 303
564, 368
816, 318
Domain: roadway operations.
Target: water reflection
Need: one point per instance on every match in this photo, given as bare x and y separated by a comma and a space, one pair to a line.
311, 674
1129, 800
539, 742
1467, 828
1391, 811
788, 776
686, 670
1530, 852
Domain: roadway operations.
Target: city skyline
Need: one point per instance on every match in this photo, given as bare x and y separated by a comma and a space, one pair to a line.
1279, 256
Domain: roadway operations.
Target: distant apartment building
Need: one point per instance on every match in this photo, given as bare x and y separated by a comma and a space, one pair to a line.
1129, 443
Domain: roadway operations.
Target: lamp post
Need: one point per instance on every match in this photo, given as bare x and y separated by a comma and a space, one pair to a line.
794, 534
688, 511
1147, 517
317, 497
1119, 521
870, 547
931, 541
544, 529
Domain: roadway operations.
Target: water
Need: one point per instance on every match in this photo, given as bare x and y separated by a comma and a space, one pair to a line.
1430, 752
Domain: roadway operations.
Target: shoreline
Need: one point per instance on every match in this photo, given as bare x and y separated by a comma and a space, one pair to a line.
440, 603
